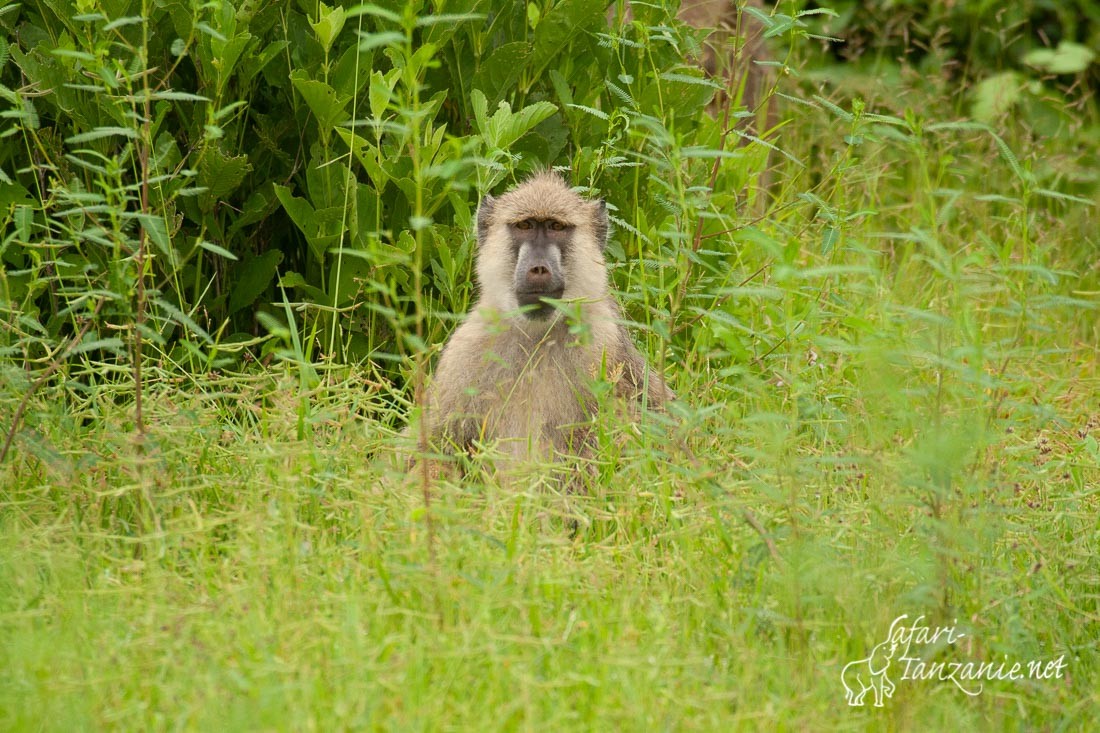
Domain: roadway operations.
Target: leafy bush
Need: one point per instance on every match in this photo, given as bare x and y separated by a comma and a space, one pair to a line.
170, 175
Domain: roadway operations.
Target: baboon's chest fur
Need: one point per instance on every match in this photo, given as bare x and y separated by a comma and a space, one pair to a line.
530, 388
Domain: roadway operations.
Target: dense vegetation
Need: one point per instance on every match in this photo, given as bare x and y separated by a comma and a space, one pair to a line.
233, 237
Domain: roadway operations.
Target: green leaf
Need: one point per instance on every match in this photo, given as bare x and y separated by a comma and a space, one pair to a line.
299, 210
259, 204
381, 91
330, 21
121, 22
369, 156
1067, 58
499, 73
220, 174
374, 10
115, 345
254, 275
370, 41
154, 228
565, 21
480, 106
12, 192
256, 64
326, 106
296, 281
179, 96
505, 127
100, 133
995, 96
220, 251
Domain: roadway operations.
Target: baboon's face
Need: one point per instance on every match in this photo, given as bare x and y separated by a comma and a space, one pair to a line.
540, 247
540, 242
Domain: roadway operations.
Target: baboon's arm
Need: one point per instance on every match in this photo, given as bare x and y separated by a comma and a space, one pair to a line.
452, 411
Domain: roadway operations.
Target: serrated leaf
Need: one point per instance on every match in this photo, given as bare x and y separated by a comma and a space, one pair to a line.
1011, 159
100, 133
220, 174
599, 114
115, 345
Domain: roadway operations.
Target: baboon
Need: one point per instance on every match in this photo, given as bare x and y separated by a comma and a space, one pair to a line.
518, 371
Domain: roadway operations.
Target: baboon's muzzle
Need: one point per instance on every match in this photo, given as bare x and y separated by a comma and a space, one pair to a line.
538, 276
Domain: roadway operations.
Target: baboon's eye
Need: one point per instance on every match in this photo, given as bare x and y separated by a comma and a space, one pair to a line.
525, 224
557, 226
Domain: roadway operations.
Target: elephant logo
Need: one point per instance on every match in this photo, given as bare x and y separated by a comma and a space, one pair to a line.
868, 674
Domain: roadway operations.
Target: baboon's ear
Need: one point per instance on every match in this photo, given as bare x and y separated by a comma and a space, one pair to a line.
484, 214
600, 224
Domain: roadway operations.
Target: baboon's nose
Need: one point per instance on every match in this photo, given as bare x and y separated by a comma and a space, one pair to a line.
538, 277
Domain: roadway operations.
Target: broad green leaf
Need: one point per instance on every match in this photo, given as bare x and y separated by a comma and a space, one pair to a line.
254, 275
298, 209
1067, 58
227, 55
12, 192
995, 96
326, 106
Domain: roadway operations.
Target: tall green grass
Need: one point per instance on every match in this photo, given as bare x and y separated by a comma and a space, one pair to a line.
888, 405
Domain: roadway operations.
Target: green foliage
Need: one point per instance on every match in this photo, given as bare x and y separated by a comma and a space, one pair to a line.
331, 151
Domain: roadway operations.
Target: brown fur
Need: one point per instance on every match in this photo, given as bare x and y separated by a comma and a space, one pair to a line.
525, 382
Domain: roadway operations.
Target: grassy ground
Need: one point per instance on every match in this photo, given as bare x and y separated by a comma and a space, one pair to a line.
911, 429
